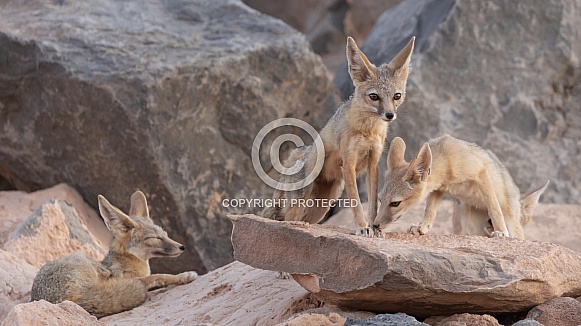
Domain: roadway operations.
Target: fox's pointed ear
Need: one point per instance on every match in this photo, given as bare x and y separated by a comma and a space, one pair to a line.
401, 63
529, 201
420, 167
395, 156
138, 205
360, 68
116, 221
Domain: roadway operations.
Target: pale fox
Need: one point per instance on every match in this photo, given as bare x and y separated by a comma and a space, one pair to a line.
120, 282
463, 170
353, 139
469, 220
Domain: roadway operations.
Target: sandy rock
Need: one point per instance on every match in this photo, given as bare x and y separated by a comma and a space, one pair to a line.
562, 311
16, 206
164, 97
42, 312
515, 93
548, 223
235, 294
443, 225
328, 314
332, 319
421, 276
468, 319
385, 319
16, 277
433, 320
52, 231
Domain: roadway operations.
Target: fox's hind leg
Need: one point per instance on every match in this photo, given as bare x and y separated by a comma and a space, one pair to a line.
493, 206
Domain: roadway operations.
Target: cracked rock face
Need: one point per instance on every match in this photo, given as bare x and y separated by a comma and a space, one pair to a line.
164, 97
504, 75
418, 275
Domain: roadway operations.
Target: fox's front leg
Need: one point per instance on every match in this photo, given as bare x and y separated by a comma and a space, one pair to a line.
350, 177
434, 200
162, 280
372, 181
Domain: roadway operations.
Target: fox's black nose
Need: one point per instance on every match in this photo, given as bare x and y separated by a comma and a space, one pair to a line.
389, 115
182, 248
376, 226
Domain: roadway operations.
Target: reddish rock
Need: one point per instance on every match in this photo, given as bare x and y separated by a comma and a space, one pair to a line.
235, 294
332, 319
468, 319
562, 311
16, 277
16, 206
42, 312
419, 275
52, 231
558, 216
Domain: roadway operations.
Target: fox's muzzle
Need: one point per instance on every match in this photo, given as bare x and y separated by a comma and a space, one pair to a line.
387, 116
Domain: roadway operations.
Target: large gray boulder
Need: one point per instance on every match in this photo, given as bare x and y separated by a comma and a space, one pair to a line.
327, 23
505, 75
161, 96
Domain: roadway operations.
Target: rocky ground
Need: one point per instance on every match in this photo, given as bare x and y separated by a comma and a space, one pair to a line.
167, 97
479, 281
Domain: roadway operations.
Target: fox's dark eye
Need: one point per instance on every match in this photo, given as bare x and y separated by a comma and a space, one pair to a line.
374, 97
394, 203
397, 96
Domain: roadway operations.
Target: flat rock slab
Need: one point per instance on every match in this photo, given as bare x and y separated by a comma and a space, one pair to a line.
421, 276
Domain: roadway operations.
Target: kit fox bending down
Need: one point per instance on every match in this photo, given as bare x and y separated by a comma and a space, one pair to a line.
463, 170
120, 282
353, 138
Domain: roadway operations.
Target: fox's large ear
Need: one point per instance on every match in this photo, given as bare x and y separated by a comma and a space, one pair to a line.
395, 156
360, 68
138, 205
401, 63
529, 201
420, 166
116, 221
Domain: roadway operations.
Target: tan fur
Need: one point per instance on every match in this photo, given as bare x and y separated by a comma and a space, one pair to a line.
354, 140
121, 281
464, 170
469, 220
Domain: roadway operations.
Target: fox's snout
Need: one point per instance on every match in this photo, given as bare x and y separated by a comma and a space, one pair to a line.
388, 116
172, 248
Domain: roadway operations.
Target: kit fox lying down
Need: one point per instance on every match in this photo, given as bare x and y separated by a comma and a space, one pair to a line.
120, 282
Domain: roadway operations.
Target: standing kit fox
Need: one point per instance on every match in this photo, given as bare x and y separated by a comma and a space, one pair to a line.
353, 139
447, 165
120, 282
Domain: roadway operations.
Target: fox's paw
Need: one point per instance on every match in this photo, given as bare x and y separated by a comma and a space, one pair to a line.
187, 277
369, 232
498, 234
419, 229
283, 275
